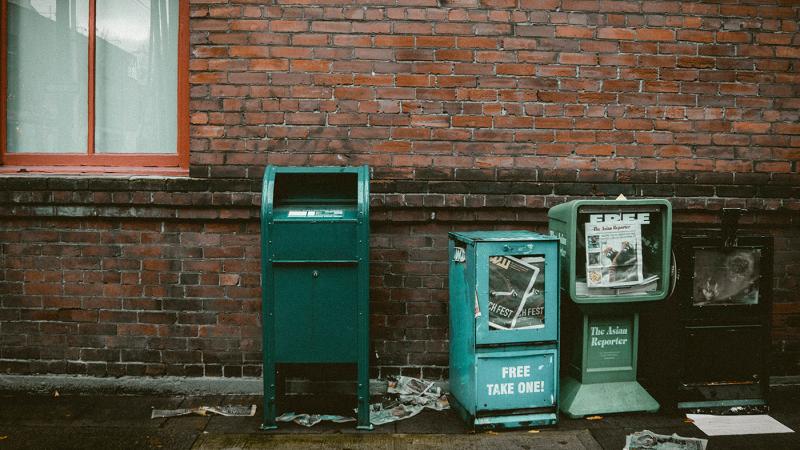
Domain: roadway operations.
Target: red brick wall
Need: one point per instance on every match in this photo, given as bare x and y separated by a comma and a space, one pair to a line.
706, 89
130, 297
472, 114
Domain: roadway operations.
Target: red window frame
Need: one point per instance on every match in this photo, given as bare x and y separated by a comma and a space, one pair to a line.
90, 161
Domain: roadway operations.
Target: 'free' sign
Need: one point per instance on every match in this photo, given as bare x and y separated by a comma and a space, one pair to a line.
515, 387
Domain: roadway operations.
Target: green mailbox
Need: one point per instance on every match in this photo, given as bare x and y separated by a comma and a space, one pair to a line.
315, 274
615, 255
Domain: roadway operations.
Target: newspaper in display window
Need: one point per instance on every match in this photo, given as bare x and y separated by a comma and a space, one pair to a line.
613, 254
726, 276
516, 292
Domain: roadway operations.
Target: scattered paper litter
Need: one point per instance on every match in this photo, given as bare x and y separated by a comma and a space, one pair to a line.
228, 410
713, 425
647, 440
406, 397
412, 396
308, 420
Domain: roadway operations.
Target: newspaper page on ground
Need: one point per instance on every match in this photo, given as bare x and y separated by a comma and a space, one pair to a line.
308, 420
226, 410
613, 254
516, 292
714, 425
647, 440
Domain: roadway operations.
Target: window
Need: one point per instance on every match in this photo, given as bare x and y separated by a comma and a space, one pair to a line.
94, 83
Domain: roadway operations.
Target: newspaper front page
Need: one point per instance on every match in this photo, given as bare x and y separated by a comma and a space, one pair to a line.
613, 254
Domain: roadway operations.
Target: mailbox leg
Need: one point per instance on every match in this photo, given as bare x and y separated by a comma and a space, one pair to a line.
269, 394
363, 398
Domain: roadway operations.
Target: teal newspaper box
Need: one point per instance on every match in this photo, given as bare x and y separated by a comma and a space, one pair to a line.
504, 313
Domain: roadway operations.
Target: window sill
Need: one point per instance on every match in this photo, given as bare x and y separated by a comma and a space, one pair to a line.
94, 170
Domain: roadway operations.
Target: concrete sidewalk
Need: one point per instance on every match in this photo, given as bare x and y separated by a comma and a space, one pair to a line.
71, 421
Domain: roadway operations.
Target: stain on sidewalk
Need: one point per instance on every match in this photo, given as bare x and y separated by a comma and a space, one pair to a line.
558, 440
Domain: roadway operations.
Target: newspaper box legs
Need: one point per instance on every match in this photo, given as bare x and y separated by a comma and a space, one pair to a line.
615, 254
602, 369
315, 274
504, 328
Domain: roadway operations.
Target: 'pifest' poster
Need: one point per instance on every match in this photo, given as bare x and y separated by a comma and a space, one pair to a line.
516, 292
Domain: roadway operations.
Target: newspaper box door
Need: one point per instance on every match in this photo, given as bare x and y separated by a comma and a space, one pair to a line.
513, 280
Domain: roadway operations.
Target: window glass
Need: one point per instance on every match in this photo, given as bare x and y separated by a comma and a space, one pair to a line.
516, 292
726, 277
47, 76
136, 76
618, 250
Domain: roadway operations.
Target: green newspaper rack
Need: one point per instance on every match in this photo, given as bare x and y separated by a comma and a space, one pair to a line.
615, 256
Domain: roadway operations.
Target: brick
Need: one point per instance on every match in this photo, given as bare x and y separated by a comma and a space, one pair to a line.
738, 89
574, 32
249, 51
733, 36
616, 33
331, 27
751, 127
470, 42
695, 36
653, 34
554, 122
633, 124
516, 69
269, 64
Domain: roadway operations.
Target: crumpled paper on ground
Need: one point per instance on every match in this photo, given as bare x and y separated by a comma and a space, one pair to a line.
227, 410
406, 397
647, 440
308, 420
413, 395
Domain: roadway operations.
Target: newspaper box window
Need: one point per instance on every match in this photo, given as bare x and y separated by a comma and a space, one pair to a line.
615, 255
618, 253
726, 277
315, 274
516, 292
504, 328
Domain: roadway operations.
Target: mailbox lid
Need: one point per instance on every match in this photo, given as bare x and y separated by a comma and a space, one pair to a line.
315, 213
516, 379
598, 265
315, 194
